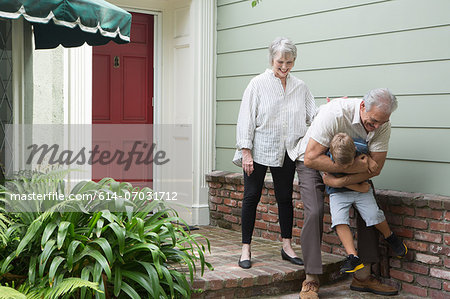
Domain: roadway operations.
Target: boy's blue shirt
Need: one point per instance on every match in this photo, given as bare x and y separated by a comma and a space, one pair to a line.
361, 148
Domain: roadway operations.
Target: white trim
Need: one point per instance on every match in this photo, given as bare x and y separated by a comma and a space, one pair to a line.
51, 16
157, 90
204, 111
157, 62
18, 91
18, 71
143, 11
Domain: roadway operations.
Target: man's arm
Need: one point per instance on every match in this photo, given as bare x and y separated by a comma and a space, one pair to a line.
315, 158
378, 157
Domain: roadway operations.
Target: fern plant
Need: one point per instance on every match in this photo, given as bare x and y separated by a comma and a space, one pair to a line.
10, 293
63, 290
4, 223
125, 248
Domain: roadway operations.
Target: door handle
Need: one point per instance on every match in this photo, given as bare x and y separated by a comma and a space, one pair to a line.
116, 62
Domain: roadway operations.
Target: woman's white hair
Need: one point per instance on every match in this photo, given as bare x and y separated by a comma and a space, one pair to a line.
382, 98
284, 46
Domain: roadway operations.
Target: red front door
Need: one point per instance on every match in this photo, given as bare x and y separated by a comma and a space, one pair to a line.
123, 92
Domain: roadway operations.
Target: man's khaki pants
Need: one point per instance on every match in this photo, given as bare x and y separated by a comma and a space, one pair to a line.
312, 195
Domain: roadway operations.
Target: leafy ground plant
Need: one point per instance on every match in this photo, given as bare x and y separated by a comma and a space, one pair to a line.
64, 289
120, 248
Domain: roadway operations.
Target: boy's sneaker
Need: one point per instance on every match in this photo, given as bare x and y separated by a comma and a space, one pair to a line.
397, 245
351, 264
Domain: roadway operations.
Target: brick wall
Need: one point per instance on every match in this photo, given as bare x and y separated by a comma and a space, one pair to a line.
422, 220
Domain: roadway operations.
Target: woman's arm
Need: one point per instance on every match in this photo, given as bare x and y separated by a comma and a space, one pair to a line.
245, 129
246, 123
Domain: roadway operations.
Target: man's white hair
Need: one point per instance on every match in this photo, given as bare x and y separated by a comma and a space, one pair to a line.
381, 98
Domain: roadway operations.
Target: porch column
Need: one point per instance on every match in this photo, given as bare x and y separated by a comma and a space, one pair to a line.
78, 103
204, 18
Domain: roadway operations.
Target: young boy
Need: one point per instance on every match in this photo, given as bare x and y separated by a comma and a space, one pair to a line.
343, 150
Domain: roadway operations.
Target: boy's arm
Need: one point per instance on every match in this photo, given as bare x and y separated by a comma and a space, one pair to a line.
359, 187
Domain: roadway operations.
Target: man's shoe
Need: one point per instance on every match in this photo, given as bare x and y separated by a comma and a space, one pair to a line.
351, 264
247, 264
397, 245
310, 290
294, 260
373, 285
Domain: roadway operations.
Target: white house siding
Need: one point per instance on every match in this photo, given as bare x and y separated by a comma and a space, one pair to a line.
345, 49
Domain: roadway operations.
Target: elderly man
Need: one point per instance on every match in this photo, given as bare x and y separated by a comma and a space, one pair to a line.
367, 119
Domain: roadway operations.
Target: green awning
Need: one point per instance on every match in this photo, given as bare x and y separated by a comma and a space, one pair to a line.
71, 23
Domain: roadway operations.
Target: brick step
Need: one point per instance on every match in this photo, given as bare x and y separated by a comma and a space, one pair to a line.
269, 275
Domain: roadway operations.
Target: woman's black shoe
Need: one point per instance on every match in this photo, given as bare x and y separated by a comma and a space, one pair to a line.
247, 264
294, 260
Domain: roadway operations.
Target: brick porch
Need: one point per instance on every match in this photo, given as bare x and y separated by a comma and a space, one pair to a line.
422, 220
269, 275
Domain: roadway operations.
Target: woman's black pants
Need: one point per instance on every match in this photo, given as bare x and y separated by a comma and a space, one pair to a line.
283, 178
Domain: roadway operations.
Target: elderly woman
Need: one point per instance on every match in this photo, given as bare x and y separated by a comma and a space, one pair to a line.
275, 109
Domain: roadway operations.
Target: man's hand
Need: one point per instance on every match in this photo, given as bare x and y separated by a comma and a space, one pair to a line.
247, 161
365, 162
360, 165
328, 99
373, 165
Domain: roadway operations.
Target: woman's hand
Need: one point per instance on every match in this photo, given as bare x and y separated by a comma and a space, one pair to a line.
247, 161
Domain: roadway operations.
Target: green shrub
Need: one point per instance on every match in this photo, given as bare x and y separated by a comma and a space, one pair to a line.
134, 248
